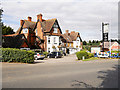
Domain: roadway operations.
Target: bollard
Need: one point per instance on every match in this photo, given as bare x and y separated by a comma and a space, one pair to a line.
83, 57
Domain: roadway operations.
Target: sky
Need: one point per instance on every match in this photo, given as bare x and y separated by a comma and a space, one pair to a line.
83, 16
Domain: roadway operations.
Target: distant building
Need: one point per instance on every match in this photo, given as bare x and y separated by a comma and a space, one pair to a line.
95, 49
115, 46
72, 41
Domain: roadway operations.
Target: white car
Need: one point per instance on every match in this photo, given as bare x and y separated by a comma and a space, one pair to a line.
39, 56
103, 55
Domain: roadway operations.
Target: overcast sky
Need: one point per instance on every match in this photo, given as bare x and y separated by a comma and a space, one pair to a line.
83, 16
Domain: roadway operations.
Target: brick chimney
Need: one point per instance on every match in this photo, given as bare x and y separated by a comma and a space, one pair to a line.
29, 18
21, 22
39, 16
72, 32
67, 31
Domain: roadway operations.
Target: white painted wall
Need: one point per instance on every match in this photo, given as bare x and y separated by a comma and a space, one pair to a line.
95, 49
56, 44
76, 43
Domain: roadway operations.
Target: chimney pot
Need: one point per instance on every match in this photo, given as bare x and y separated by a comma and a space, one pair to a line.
67, 31
29, 18
21, 22
39, 16
72, 31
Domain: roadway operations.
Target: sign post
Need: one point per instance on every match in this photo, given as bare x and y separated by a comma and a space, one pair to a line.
104, 33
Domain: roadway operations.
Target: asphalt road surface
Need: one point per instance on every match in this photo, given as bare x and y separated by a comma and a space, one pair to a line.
72, 74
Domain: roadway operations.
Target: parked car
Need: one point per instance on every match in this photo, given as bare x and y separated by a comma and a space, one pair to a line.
25, 48
103, 55
64, 53
54, 55
39, 56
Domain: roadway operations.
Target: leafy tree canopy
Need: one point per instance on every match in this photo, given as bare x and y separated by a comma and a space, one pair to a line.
7, 30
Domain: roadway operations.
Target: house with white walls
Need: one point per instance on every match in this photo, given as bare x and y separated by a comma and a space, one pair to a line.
72, 41
47, 36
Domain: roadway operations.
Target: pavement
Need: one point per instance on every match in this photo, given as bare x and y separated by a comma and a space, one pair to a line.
63, 72
64, 59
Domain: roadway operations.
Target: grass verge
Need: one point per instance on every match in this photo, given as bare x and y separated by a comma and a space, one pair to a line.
92, 58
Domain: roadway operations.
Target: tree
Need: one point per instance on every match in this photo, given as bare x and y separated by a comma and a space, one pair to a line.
89, 41
97, 41
1, 11
7, 30
93, 41
84, 43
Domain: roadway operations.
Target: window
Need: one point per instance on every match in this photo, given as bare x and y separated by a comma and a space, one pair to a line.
49, 50
22, 37
55, 30
54, 40
3, 40
48, 40
25, 30
77, 41
59, 40
55, 27
66, 44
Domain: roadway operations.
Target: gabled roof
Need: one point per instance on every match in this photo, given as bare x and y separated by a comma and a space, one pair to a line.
74, 36
27, 24
47, 24
107, 44
67, 38
14, 41
71, 36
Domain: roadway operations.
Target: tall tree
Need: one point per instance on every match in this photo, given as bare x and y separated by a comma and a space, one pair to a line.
1, 11
7, 30
84, 43
93, 41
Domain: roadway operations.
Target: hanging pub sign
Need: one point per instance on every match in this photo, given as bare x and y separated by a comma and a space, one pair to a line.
105, 32
105, 28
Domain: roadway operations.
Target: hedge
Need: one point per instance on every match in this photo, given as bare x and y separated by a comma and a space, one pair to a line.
45, 53
86, 55
17, 55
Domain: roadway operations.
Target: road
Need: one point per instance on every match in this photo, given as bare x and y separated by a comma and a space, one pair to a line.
68, 74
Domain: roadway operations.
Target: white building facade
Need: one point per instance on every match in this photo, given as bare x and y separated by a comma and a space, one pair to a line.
52, 43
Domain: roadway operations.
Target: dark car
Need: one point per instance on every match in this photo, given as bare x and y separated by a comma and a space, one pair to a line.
54, 55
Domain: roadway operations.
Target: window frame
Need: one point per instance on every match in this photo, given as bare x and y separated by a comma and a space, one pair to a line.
48, 40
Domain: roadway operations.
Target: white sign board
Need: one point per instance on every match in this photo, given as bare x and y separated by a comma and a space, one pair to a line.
95, 49
106, 28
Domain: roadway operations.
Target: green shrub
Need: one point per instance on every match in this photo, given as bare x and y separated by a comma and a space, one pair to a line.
17, 55
80, 55
61, 52
90, 55
115, 51
45, 53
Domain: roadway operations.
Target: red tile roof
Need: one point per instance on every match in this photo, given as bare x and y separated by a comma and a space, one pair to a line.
74, 36
67, 38
47, 24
